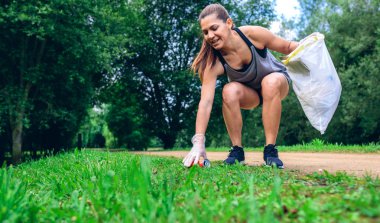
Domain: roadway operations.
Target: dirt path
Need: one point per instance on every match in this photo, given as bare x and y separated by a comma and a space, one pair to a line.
352, 163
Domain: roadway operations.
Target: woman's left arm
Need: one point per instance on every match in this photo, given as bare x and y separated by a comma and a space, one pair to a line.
272, 41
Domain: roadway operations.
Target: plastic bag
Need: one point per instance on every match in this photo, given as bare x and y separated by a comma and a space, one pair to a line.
315, 80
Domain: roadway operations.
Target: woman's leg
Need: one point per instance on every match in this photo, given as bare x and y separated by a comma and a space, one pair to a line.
275, 88
235, 97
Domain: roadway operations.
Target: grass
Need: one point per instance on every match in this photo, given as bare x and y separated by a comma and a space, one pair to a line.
95, 186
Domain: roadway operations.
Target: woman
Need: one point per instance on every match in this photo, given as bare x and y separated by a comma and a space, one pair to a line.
255, 78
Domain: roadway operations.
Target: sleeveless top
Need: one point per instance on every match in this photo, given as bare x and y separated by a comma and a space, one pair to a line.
262, 64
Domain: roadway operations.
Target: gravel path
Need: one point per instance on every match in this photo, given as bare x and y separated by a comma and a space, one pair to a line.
359, 164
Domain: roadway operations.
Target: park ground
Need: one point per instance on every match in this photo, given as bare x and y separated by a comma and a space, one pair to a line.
358, 164
93, 185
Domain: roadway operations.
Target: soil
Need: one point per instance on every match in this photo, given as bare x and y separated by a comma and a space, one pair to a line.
357, 164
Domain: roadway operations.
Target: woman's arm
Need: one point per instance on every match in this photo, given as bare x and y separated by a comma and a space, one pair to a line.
207, 97
203, 115
262, 37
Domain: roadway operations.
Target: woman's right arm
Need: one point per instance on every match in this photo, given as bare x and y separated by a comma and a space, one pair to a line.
207, 97
203, 115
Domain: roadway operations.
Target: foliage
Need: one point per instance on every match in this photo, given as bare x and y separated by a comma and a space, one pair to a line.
61, 58
157, 78
93, 186
95, 129
125, 119
55, 55
251, 12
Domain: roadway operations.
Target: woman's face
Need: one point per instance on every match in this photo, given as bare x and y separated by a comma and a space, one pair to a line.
215, 31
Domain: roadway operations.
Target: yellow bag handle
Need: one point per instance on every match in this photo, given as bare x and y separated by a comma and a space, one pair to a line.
300, 48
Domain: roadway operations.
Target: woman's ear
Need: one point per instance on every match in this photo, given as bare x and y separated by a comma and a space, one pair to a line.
230, 23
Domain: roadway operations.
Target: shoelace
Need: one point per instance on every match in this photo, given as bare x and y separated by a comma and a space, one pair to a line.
272, 153
233, 152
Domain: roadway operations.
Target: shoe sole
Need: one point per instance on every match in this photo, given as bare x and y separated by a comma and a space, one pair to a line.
241, 163
274, 165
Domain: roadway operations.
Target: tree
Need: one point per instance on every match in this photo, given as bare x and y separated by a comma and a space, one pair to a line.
55, 55
124, 116
354, 44
158, 74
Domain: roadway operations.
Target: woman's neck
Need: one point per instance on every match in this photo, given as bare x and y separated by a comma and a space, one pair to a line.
233, 44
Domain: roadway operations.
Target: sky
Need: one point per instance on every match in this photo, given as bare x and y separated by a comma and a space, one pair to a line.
289, 9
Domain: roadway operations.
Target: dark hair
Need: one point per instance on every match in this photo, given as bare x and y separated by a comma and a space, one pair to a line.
206, 55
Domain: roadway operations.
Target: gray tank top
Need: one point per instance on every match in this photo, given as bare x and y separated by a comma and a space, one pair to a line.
262, 64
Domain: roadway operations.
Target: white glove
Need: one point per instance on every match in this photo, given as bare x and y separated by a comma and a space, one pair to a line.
197, 151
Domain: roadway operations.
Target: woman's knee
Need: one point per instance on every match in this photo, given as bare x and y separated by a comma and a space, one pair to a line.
271, 87
231, 92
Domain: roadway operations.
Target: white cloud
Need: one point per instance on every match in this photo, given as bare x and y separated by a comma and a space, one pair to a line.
288, 8
275, 26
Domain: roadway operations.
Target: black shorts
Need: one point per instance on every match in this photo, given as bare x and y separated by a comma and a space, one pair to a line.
260, 97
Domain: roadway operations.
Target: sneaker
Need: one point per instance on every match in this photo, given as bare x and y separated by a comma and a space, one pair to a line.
271, 156
236, 154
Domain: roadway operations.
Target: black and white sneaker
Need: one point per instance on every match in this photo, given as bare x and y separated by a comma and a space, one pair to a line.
271, 156
236, 155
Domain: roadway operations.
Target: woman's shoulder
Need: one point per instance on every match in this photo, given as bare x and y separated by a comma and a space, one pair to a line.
255, 33
211, 73
218, 68
215, 69
249, 28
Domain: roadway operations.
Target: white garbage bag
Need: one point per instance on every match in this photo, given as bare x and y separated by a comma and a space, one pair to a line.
315, 80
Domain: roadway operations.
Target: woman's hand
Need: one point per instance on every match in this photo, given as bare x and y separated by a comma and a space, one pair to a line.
198, 150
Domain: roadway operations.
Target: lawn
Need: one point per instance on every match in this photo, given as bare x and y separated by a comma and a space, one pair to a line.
95, 186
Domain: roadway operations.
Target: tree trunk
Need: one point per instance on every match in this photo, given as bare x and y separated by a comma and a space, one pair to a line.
168, 141
17, 140
2, 157
16, 117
